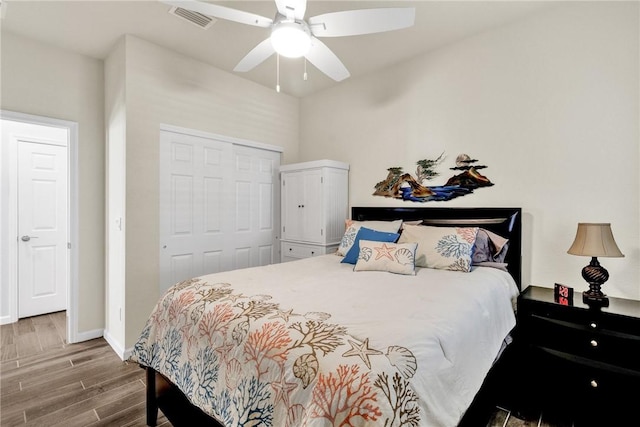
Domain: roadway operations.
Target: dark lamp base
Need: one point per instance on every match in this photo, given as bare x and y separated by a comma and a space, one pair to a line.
595, 275
595, 300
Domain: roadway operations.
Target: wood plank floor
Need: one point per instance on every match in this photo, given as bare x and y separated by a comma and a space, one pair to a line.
46, 382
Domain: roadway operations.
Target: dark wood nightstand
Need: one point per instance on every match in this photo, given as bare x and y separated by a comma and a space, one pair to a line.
580, 362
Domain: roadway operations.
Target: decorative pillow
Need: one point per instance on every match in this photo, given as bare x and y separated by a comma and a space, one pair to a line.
367, 234
352, 228
396, 258
489, 247
444, 248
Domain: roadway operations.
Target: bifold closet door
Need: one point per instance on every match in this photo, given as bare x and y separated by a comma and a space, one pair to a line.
256, 206
217, 208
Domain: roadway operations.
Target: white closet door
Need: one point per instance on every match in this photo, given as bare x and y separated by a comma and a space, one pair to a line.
256, 213
194, 205
218, 207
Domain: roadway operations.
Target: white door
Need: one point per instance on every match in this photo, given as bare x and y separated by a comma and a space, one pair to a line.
255, 186
42, 228
194, 195
217, 209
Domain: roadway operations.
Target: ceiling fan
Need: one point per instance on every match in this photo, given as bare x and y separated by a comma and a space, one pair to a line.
293, 36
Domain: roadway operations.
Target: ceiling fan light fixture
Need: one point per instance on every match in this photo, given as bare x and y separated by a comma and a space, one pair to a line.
291, 39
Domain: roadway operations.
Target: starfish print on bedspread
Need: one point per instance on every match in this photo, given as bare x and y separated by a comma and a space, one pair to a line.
361, 350
282, 390
284, 315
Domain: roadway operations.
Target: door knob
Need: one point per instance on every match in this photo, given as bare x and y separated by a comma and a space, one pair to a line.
27, 238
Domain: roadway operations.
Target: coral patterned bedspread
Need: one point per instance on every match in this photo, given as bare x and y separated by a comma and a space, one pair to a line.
313, 343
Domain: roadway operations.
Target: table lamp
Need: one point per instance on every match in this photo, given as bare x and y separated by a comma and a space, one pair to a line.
595, 240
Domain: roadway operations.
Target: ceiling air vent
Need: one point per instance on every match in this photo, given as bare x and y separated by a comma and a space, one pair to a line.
199, 19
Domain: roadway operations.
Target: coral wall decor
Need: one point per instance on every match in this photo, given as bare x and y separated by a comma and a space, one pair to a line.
401, 185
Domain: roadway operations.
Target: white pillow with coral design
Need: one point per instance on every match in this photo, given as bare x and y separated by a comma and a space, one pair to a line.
443, 248
352, 228
385, 256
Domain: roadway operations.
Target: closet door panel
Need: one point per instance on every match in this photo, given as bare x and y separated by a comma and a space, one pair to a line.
255, 231
193, 175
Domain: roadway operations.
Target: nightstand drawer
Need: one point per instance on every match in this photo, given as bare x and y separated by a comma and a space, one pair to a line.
588, 319
591, 342
567, 380
300, 250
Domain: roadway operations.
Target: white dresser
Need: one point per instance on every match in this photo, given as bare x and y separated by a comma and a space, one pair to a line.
315, 204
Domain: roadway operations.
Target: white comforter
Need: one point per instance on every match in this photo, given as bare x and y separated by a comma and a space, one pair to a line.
312, 342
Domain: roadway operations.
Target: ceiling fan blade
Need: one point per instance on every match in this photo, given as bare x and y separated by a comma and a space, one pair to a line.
292, 8
222, 12
362, 21
326, 61
257, 55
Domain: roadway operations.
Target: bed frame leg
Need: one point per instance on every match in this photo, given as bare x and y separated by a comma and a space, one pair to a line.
152, 401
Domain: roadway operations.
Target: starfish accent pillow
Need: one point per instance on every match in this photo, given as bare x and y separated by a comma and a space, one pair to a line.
396, 258
367, 234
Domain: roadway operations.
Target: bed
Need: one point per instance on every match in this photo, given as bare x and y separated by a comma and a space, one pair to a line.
321, 342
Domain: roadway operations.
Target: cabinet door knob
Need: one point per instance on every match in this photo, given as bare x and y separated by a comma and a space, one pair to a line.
594, 383
594, 343
290, 249
312, 252
593, 325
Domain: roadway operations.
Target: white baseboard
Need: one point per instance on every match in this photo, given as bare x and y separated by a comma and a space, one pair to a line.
122, 353
5, 320
89, 335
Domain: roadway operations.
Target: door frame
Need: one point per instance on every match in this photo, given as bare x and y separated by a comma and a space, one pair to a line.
72, 218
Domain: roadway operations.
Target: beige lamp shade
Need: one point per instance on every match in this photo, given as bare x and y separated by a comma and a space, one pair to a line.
594, 240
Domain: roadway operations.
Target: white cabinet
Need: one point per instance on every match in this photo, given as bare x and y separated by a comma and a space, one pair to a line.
315, 199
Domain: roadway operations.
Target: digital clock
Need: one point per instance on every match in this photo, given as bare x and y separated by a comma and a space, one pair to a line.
562, 294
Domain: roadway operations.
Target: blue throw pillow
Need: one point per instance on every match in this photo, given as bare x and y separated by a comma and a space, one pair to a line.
367, 234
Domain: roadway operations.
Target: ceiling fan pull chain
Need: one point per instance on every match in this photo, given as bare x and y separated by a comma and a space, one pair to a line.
277, 72
304, 76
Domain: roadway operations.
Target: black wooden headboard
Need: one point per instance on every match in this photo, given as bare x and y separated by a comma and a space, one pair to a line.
506, 222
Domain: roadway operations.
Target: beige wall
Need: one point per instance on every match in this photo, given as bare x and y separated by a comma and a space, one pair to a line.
116, 138
549, 104
42, 80
164, 87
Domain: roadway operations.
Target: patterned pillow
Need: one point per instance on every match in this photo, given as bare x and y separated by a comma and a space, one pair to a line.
352, 228
444, 248
366, 234
396, 258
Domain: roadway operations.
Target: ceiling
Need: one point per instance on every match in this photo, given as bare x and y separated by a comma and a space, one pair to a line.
92, 27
